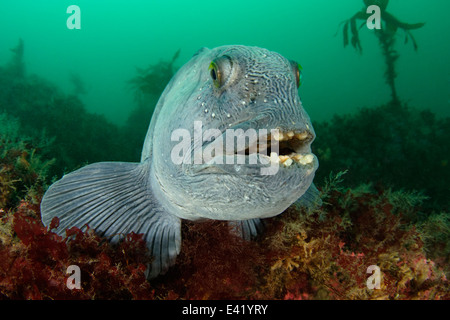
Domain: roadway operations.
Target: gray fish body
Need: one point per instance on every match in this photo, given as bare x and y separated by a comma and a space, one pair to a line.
189, 170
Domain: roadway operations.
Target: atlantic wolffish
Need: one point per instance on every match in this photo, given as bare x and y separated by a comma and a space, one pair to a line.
230, 87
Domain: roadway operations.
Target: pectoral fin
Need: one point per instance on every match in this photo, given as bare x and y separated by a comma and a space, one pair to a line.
115, 198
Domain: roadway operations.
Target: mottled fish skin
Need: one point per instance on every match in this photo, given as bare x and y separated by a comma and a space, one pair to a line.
151, 197
262, 94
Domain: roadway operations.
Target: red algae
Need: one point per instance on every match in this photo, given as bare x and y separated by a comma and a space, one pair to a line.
318, 253
300, 256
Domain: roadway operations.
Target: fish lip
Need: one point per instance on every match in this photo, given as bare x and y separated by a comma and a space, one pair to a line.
291, 141
297, 136
288, 148
286, 142
296, 167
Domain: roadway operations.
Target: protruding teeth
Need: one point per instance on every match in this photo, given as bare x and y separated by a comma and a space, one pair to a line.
303, 159
274, 157
283, 158
301, 136
288, 162
306, 159
277, 135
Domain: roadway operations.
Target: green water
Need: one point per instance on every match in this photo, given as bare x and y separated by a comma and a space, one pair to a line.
117, 36
384, 162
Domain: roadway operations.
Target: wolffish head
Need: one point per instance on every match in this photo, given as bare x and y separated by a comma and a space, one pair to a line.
239, 136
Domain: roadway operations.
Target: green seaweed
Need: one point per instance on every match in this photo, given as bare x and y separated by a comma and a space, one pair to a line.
148, 85
16, 66
43, 109
317, 253
153, 79
23, 171
386, 39
390, 146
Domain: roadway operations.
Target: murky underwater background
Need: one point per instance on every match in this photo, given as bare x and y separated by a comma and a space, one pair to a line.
70, 97
116, 37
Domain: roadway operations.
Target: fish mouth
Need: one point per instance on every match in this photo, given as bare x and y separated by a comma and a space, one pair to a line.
284, 147
256, 150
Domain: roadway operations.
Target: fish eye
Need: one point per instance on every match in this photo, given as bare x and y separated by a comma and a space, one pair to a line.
215, 74
297, 68
220, 70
